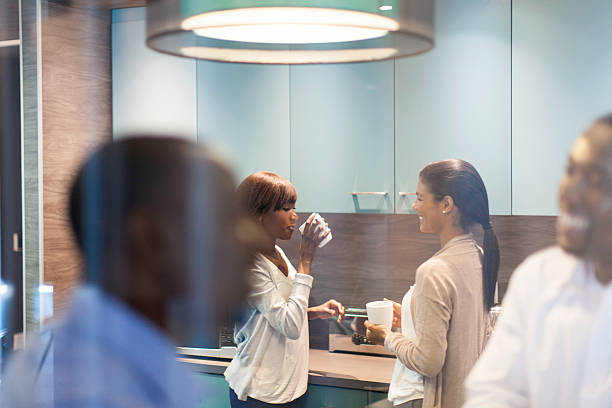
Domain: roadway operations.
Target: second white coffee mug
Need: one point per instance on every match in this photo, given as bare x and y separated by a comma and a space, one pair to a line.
380, 312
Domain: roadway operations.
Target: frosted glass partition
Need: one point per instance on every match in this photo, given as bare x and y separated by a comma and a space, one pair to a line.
342, 136
454, 101
243, 111
152, 92
562, 80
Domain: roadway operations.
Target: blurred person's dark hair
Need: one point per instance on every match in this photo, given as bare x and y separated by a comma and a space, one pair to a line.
158, 224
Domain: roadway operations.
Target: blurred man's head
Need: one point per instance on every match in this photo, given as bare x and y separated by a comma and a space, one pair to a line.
584, 226
159, 227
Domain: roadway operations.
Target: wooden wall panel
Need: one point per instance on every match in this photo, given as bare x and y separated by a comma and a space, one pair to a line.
376, 255
76, 95
520, 236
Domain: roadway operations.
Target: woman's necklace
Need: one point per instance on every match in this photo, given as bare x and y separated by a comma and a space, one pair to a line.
274, 256
278, 260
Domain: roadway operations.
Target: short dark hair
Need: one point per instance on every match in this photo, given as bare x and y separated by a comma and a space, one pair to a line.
264, 191
460, 180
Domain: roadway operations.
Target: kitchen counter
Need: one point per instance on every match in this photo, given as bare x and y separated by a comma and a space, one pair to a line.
343, 370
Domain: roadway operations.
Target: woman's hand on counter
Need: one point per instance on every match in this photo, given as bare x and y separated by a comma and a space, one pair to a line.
327, 310
376, 333
397, 314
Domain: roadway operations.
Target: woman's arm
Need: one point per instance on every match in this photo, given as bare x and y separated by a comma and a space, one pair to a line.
285, 315
311, 238
432, 305
427, 354
327, 310
432, 312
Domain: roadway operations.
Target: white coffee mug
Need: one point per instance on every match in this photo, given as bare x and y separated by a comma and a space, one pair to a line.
380, 312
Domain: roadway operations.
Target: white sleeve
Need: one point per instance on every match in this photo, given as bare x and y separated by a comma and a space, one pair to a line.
500, 377
285, 315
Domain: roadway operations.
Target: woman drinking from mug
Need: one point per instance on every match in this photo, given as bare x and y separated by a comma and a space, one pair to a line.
271, 364
454, 289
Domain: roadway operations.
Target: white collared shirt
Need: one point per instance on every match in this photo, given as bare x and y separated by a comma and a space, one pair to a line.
552, 346
271, 362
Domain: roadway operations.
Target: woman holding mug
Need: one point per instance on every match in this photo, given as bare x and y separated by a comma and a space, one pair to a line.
271, 363
454, 289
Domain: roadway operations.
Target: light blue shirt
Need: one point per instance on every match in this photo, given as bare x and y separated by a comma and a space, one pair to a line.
102, 354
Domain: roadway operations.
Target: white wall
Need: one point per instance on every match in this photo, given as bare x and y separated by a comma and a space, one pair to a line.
152, 92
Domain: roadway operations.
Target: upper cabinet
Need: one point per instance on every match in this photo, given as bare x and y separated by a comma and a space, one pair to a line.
243, 112
342, 137
454, 101
561, 82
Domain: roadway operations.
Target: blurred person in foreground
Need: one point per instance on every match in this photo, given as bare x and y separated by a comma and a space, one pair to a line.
163, 243
552, 346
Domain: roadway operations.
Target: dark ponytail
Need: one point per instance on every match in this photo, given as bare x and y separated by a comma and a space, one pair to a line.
490, 266
460, 180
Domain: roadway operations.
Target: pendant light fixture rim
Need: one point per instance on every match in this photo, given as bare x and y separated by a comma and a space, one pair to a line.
430, 45
414, 34
390, 23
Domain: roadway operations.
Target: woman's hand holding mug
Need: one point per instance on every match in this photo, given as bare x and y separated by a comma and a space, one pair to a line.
314, 232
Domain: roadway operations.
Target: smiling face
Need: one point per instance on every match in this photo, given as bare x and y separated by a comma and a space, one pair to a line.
584, 226
429, 208
280, 224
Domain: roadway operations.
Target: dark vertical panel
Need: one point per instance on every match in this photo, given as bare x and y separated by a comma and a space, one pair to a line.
10, 187
9, 20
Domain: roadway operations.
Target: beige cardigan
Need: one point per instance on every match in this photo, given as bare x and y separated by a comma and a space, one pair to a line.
450, 322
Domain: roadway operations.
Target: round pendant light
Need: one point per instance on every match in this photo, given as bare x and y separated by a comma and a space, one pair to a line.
290, 31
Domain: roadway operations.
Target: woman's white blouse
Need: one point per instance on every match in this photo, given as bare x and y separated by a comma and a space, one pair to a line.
271, 362
406, 385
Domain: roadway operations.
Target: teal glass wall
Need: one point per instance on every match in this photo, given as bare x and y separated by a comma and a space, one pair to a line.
454, 101
243, 111
561, 82
508, 86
